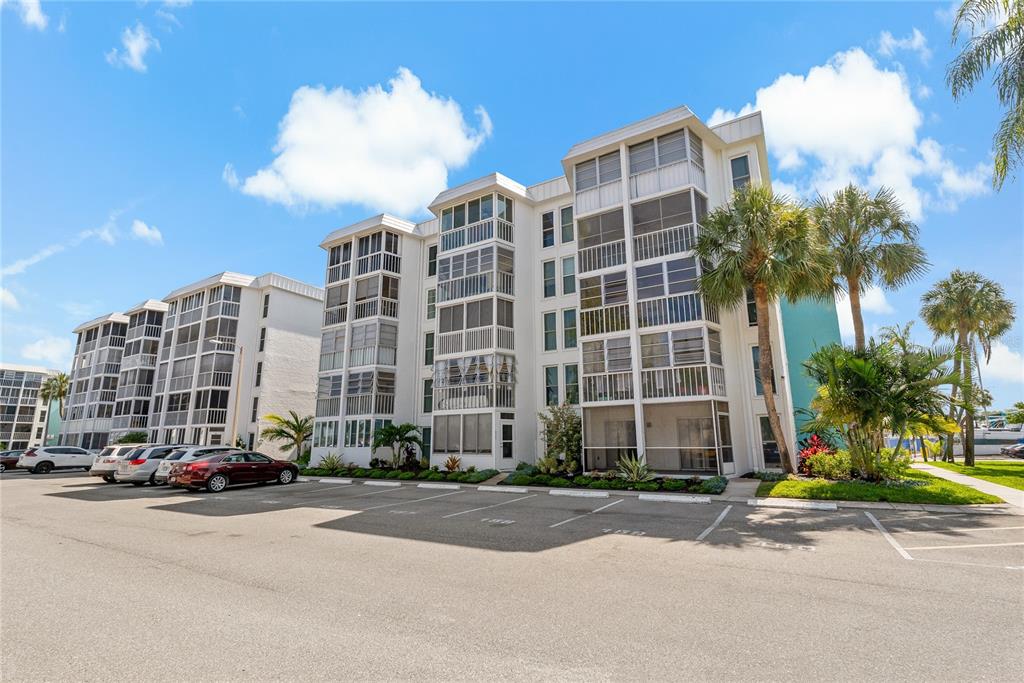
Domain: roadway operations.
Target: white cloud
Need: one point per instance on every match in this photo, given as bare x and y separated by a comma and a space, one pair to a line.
81, 311
923, 92
177, 3
386, 148
888, 45
229, 175
31, 12
872, 300
1005, 364
55, 351
8, 300
146, 233
168, 17
135, 43
850, 120
106, 233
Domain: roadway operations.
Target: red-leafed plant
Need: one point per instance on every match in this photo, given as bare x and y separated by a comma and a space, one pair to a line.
809, 447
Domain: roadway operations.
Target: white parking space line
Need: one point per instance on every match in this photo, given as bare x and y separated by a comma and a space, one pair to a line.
963, 545
333, 487
488, 507
714, 525
959, 530
592, 512
407, 502
892, 541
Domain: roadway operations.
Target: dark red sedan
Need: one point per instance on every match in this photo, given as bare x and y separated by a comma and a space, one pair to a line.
216, 472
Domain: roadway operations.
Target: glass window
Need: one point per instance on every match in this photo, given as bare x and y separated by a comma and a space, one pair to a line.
602, 229
672, 147
688, 346
572, 384
459, 219
550, 332
740, 171
590, 292
431, 304
758, 386
569, 275
432, 260
650, 281
259, 372
618, 354
615, 288
505, 315
641, 157
567, 226
608, 168
751, 307
586, 175
549, 279
263, 338
654, 351
551, 386
428, 395
474, 211
569, 328
486, 207
547, 229
769, 446
428, 349
681, 275
504, 208
715, 346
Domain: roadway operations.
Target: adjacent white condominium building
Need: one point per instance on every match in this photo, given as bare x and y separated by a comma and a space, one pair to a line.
234, 349
138, 368
581, 289
26, 420
94, 373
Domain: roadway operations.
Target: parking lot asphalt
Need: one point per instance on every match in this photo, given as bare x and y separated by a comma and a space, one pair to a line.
354, 581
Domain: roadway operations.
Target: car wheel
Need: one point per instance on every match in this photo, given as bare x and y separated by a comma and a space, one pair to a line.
216, 483
43, 468
138, 483
3, 467
110, 479
286, 476
152, 480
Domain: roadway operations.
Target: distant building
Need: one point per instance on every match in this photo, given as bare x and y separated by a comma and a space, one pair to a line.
26, 420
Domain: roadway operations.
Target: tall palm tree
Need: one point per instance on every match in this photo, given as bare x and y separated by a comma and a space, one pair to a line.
870, 242
397, 438
973, 310
996, 42
766, 243
56, 388
293, 429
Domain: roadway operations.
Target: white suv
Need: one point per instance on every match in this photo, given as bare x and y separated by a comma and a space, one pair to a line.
106, 462
48, 458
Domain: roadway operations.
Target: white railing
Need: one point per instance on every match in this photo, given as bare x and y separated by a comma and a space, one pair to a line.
479, 338
179, 383
370, 355
717, 377
474, 396
383, 307
594, 198
476, 339
602, 256
603, 320
212, 416
370, 404
328, 407
135, 391
129, 422
664, 178
214, 379
690, 380
115, 342
609, 386
477, 232
225, 308
222, 344
472, 285
667, 310
506, 232
332, 360
339, 272
664, 242
506, 338
335, 316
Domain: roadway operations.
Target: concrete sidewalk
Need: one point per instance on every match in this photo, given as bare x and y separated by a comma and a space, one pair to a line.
1012, 496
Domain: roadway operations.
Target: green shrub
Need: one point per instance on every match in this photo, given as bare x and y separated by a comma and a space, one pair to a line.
435, 476
836, 466
675, 485
559, 482
893, 468
407, 475
541, 480
582, 480
360, 472
378, 474
423, 474
570, 466
330, 462
618, 484
471, 469
393, 474
522, 466
645, 486
518, 479
456, 476
548, 464
713, 486
634, 470
477, 477
600, 484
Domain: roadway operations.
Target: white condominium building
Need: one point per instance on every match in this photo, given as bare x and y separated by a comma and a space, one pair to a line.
235, 348
581, 289
26, 420
138, 368
94, 372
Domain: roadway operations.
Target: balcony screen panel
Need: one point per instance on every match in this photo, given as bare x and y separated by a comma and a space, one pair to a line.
608, 168
715, 346
601, 229
682, 275
641, 157
650, 281
672, 148
618, 354
688, 346
586, 175
654, 351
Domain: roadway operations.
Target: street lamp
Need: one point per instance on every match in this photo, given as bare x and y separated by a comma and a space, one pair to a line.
237, 382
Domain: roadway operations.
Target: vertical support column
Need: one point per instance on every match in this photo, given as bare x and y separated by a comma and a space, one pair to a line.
634, 336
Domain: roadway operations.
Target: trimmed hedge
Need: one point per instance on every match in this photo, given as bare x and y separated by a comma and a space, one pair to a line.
712, 486
474, 477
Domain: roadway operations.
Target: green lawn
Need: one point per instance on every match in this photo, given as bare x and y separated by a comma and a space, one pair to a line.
935, 492
1006, 473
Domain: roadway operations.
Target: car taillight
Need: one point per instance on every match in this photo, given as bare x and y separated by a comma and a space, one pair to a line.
137, 462
196, 466
30, 453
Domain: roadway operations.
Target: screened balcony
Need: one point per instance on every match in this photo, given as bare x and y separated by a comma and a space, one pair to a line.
480, 271
682, 363
602, 241
475, 326
598, 183
688, 438
667, 225
484, 381
478, 220
378, 251
670, 161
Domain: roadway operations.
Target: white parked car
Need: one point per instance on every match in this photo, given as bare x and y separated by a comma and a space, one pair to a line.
48, 458
106, 462
139, 466
184, 454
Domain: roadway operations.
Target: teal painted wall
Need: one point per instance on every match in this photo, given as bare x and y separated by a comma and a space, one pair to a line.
53, 423
806, 326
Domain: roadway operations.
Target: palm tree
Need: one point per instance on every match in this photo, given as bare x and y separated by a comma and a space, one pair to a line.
870, 242
293, 429
398, 438
766, 243
997, 45
973, 310
56, 388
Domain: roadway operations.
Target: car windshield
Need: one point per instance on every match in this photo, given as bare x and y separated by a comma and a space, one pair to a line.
106, 451
210, 456
176, 455
135, 453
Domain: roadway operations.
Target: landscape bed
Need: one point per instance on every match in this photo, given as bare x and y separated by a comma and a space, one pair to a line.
1007, 473
467, 477
611, 481
916, 487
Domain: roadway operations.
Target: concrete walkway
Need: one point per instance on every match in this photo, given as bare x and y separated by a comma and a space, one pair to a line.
1012, 496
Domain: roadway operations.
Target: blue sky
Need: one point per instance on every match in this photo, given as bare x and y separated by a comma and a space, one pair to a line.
141, 144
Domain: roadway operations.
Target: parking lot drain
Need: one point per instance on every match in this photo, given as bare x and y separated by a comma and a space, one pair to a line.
381, 483
579, 494
438, 486
792, 504
668, 498
502, 489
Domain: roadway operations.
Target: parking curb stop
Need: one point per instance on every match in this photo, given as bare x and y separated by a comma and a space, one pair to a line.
503, 489
381, 483
427, 485
578, 494
669, 498
792, 504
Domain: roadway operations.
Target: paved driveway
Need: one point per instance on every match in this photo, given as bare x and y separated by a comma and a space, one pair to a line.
335, 581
